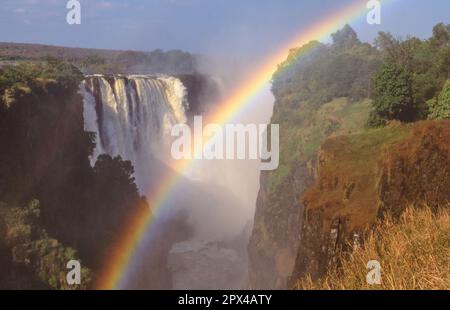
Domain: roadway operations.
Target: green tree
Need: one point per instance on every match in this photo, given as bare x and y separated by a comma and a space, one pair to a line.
317, 73
37, 261
345, 37
113, 196
439, 108
394, 93
441, 35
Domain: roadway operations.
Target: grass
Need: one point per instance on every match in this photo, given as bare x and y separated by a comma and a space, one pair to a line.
352, 161
414, 253
306, 128
365, 149
354, 116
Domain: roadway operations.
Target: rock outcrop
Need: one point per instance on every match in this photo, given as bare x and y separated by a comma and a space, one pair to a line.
361, 177
276, 232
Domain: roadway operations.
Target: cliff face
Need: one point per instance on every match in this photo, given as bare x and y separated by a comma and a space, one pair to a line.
336, 176
279, 209
41, 132
273, 243
417, 170
335, 179
45, 156
362, 177
320, 91
202, 92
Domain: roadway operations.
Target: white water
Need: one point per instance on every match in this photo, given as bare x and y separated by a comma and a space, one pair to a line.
132, 117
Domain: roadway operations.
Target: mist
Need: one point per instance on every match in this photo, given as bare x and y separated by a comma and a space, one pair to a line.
199, 237
215, 256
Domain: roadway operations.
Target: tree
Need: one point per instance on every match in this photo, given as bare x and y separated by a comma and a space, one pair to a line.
114, 175
317, 73
441, 35
34, 259
94, 60
439, 108
387, 44
345, 37
115, 195
396, 50
394, 93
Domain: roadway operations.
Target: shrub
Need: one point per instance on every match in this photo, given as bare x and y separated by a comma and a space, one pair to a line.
439, 108
394, 93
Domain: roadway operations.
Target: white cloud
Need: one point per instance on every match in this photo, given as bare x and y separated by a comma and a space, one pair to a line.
104, 5
19, 10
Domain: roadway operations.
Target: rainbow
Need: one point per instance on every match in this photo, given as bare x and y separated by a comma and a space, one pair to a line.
120, 256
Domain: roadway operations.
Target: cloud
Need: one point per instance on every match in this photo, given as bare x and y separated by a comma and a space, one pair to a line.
104, 5
19, 10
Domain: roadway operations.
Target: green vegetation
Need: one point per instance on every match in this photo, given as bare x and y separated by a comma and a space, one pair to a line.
347, 181
316, 73
28, 73
336, 170
28, 78
362, 151
93, 61
37, 260
407, 86
393, 93
440, 107
320, 91
45, 156
304, 135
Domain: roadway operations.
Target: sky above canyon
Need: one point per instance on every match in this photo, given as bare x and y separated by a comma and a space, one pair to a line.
200, 26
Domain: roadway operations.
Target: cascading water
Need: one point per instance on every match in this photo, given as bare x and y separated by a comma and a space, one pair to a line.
132, 116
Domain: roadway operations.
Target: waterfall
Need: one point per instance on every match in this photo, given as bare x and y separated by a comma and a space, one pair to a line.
132, 115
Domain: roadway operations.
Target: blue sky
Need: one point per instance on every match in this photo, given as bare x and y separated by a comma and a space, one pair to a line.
202, 26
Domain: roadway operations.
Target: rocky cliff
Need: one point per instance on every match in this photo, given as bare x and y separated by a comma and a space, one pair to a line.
279, 209
361, 177
338, 174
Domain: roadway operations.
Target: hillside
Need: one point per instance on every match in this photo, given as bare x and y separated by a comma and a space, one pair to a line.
308, 114
53, 205
91, 61
367, 176
362, 137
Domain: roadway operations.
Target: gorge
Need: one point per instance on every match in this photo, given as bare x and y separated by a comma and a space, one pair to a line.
132, 117
84, 144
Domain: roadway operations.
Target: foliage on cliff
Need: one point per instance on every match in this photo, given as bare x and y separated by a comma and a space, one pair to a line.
45, 156
29, 76
317, 73
364, 177
439, 106
393, 93
319, 93
33, 259
325, 94
412, 77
